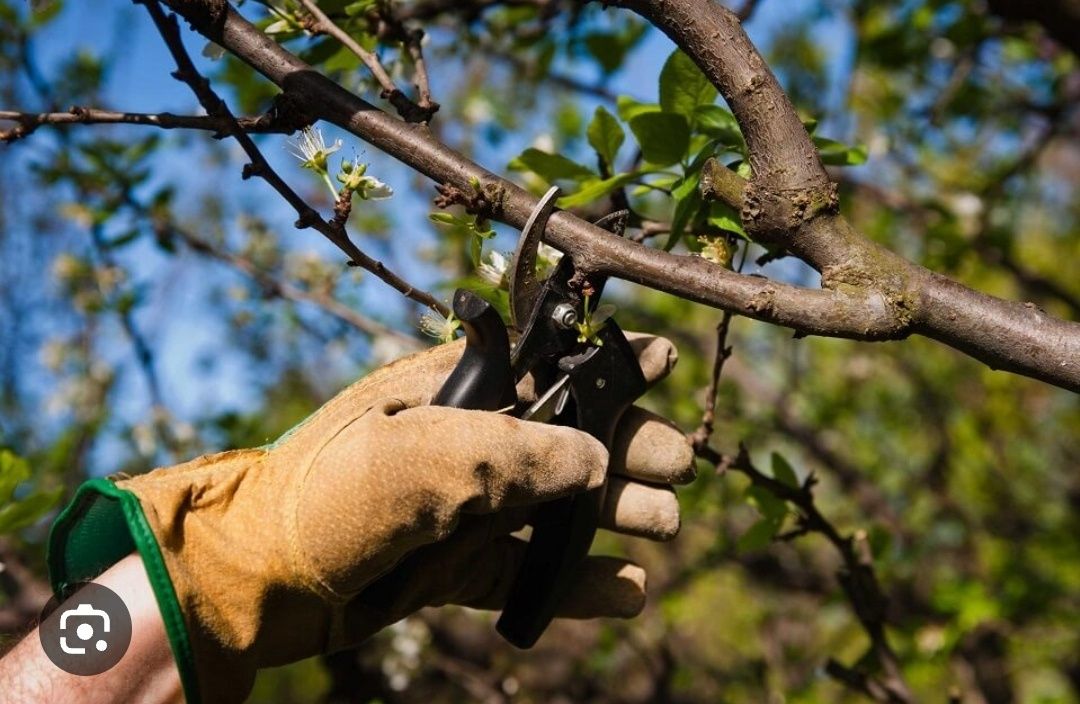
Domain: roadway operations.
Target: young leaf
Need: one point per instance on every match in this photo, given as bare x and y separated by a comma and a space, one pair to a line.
783, 472
13, 470
687, 203
595, 189
551, 167
663, 136
605, 135
723, 216
839, 154
767, 503
759, 535
22, 513
628, 108
721, 125
683, 86
444, 218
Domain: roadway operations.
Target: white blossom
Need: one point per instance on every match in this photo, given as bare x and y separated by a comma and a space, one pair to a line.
442, 328
493, 268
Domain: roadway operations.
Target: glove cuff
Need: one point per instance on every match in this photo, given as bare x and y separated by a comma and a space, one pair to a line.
100, 526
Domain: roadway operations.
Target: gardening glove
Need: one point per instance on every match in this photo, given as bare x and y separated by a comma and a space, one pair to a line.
375, 506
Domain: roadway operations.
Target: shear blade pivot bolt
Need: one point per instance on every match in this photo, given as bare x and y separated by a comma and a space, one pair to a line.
564, 315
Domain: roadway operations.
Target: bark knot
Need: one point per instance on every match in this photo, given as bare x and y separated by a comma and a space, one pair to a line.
774, 216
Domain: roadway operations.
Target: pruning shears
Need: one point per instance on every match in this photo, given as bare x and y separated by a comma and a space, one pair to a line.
585, 376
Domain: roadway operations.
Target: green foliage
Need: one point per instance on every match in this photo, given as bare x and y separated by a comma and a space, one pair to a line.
683, 87
606, 135
17, 512
662, 136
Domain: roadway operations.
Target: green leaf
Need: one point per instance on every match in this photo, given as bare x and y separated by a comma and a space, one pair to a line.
476, 250
759, 535
444, 218
550, 167
663, 136
721, 125
595, 189
683, 86
839, 154
767, 503
725, 217
687, 197
783, 472
13, 470
628, 108
361, 7
22, 513
605, 135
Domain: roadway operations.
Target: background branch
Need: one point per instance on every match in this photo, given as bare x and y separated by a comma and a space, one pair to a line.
29, 122
871, 295
307, 216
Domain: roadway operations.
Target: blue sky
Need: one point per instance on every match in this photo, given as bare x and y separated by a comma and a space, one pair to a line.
141, 82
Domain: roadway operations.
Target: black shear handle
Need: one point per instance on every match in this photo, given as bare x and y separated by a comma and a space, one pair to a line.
483, 379
604, 382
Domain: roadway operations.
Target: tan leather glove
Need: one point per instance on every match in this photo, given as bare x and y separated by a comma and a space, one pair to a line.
375, 506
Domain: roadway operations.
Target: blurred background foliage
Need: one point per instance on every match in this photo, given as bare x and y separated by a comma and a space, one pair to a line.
154, 307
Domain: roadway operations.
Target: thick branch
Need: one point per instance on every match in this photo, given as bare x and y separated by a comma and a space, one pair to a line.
872, 296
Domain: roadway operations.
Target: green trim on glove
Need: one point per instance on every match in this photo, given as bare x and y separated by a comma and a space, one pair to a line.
98, 528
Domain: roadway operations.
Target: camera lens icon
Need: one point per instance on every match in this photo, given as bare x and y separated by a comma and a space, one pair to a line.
84, 631
87, 634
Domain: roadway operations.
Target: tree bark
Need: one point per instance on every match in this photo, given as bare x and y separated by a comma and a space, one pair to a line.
868, 293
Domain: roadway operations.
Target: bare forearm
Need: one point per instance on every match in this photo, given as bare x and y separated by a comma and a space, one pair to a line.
145, 673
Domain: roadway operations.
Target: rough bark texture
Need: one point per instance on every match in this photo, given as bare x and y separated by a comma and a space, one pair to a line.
868, 292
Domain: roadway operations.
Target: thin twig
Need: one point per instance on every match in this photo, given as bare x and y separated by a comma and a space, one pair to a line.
708, 418
275, 286
410, 111
140, 346
391, 25
28, 122
307, 216
856, 576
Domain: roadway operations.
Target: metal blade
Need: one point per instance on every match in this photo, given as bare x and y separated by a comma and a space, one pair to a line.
615, 223
550, 403
524, 285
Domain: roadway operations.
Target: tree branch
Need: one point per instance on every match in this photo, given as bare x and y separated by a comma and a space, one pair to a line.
856, 577
28, 122
286, 290
410, 111
307, 216
869, 293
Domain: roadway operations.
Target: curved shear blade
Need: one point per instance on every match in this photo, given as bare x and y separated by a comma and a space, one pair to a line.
524, 286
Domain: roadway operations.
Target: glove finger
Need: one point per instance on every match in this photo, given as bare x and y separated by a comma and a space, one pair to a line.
650, 448
471, 569
656, 355
605, 587
642, 510
480, 462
